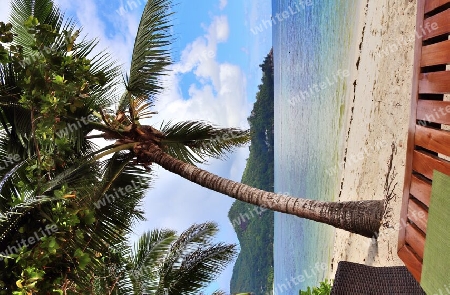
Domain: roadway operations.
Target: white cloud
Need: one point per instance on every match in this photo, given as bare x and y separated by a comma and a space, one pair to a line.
4, 12
219, 30
221, 96
200, 54
222, 4
224, 105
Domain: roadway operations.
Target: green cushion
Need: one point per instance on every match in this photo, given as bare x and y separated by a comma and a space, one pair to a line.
436, 259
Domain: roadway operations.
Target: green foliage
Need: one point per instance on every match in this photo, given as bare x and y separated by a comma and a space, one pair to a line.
151, 54
162, 261
6, 36
259, 170
323, 289
45, 78
253, 270
194, 142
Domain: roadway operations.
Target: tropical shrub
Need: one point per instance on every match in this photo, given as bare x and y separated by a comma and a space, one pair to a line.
323, 289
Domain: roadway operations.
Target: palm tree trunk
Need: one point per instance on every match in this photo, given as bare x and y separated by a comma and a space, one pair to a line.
360, 217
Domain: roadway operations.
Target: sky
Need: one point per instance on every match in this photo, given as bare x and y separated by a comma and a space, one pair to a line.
214, 77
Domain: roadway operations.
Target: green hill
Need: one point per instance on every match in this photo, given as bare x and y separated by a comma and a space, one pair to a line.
253, 270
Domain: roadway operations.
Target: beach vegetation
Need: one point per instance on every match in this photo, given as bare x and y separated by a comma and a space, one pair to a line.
323, 289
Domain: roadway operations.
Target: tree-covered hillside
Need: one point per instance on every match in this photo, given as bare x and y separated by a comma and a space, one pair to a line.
253, 271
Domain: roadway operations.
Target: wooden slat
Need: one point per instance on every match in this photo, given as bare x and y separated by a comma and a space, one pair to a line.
435, 82
425, 164
412, 124
417, 215
436, 25
421, 190
433, 111
412, 263
431, 5
436, 54
435, 140
416, 239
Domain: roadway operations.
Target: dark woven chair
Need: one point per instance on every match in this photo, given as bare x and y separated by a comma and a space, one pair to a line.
353, 278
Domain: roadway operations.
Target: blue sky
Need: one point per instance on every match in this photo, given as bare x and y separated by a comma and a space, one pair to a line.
214, 78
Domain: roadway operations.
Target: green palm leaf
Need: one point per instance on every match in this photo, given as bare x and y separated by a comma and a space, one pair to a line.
150, 55
193, 260
18, 200
201, 267
193, 142
15, 120
150, 251
120, 194
161, 261
8, 84
44, 10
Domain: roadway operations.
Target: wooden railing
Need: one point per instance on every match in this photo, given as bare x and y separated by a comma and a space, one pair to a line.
428, 139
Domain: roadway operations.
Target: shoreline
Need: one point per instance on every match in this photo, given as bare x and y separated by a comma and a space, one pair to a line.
353, 65
378, 112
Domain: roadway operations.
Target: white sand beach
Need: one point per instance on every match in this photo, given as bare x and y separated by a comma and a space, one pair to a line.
377, 124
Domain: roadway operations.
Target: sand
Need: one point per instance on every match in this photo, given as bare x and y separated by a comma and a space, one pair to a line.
377, 125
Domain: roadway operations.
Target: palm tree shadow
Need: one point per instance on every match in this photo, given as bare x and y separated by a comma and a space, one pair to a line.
390, 195
389, 187
372, 252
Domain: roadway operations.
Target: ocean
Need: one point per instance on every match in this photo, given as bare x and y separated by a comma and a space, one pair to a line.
312, 42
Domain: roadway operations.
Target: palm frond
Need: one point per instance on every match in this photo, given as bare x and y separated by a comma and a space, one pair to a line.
8, 189
20, 129
150, 252
195, 141
140, 108
10, 220
188, 242
8, 84
15, 120
117, 198
161, 262
151, 54
101, 96
194, 252
18, 199
113, 188
201, 267
44, 10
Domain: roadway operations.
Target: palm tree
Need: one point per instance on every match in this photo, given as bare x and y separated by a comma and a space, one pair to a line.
178, 147
163, 263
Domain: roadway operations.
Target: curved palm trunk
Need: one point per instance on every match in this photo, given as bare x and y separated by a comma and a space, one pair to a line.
360, 217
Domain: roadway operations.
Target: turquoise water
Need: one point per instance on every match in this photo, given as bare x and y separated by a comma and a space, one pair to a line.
311, 54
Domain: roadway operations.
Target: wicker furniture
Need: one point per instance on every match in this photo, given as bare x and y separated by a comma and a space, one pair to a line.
358, 279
